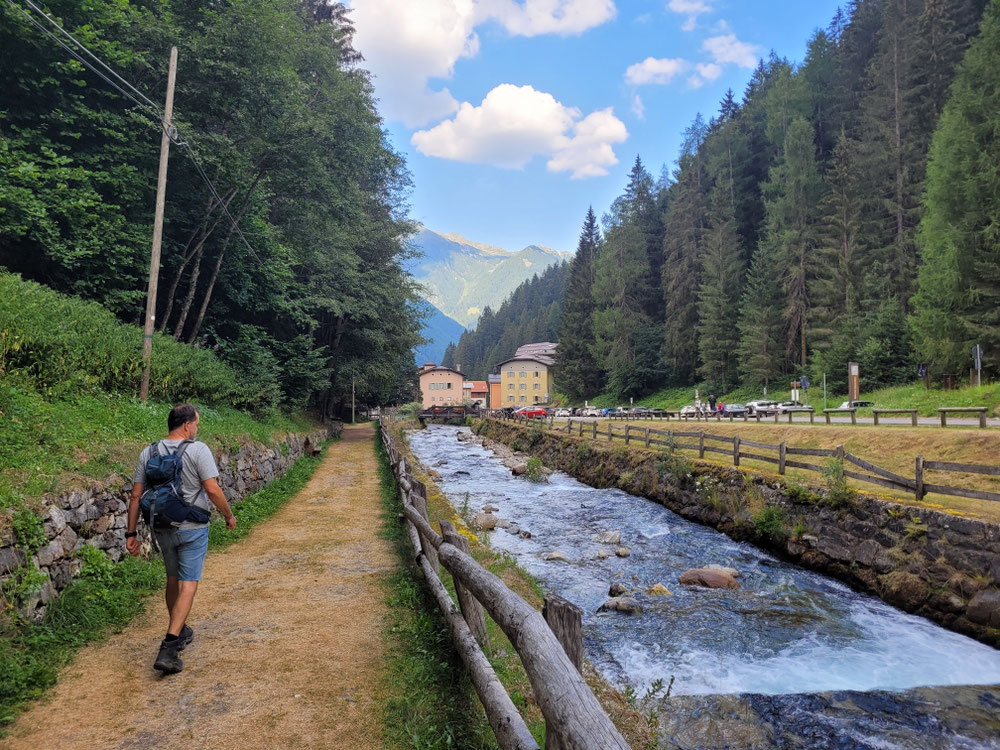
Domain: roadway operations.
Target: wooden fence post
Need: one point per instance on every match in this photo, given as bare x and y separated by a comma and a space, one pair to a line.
419, 501
647, 437
982, 419
627, 426
566, 621
736, 450
944, 419
781, 457
812, 416
919, 489
839, 452
776, 415
569, 425
472, 610
593, 430
611, 433
789, 417
701, 445
854, 416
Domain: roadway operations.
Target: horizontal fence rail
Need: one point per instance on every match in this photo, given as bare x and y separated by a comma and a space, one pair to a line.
736, 446
549, 645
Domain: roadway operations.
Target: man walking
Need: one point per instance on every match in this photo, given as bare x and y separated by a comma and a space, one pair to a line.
183, 545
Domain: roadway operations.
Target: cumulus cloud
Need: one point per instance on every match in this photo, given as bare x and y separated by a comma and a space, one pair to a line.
655, 70
726, 48
514, 124
704, 72
406, 43
638, 108
690, 8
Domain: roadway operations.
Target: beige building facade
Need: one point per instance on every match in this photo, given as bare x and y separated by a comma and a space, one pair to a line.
526, 378
440, 386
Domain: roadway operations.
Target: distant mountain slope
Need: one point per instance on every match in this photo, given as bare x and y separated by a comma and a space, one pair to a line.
464, 277
441, 330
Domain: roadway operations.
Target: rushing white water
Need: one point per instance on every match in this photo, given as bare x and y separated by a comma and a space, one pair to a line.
786, 630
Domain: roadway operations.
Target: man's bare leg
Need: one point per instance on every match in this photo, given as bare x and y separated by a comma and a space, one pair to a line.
182, 605
171, 593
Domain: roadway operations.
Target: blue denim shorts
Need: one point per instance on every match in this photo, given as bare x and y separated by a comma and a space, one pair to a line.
183, 552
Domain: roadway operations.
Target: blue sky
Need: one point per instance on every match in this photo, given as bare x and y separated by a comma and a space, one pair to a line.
515, 115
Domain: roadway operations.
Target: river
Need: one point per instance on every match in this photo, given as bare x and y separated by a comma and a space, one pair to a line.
786, 630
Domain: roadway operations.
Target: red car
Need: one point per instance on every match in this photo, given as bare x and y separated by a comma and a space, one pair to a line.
532, 412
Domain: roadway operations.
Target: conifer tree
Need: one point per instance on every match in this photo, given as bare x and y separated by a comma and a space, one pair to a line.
577, 372
958, 301
761, 347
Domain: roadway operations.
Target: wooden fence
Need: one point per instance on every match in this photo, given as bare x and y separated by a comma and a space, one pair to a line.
573, 716
737, 448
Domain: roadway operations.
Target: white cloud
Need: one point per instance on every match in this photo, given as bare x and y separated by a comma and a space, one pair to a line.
407, 43
690, 8
728, 49
514, 124
638, 108
704, 72
655, 70
534, 17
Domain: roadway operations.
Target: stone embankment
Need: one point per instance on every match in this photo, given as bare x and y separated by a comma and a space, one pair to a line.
97, 514
922, 560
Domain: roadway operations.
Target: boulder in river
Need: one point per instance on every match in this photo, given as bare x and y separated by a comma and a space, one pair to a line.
556, 556
513, 528
609, 537
442, 462
617, 589
732, 571
985, 608
658, 589
601, 554
465, 473
503, 523
486, 521
622, 552
519, 469
490, 509
624, 604
712, 579
525, 534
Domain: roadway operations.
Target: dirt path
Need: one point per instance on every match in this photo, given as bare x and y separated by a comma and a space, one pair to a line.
287, 650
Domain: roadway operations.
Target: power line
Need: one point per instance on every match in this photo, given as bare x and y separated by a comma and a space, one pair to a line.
172, 131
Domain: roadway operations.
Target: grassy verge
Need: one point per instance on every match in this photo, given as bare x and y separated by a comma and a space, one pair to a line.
104, 598
910, 396
48, 444
499, 651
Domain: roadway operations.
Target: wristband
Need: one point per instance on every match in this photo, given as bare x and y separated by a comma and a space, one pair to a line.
130, 534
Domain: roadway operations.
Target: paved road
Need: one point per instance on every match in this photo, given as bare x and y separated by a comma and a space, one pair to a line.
820, 420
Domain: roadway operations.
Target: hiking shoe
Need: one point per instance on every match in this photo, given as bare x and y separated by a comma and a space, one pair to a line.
185, 637
168, 659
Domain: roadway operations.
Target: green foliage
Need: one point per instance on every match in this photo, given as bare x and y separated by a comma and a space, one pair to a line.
535, 434
584, 451
29, 532
535, 471
839, 494
799, 493
674, 466
772, 523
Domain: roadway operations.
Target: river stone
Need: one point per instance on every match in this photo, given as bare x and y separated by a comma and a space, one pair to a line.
659, 589
617, 589
513, 529
622, 552
985, 608
525, 534
601, 554
624, 604
713, 579
610, 537
556, 556
503, 523
723, 569
490, 509
486, 521
519, 469
434, 475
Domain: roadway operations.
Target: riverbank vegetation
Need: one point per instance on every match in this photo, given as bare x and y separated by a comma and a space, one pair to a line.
414, 704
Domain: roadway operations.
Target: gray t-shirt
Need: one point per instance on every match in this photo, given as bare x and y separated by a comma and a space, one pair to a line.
199, 465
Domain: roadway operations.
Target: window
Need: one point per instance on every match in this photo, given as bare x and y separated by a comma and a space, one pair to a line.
524, 374
537, 386
536, 373
523, 386
510, 373
448, 386
510, 398
523, 399
510, 386
536, 399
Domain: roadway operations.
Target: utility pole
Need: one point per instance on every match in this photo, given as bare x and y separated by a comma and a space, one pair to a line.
154, 259
352, 399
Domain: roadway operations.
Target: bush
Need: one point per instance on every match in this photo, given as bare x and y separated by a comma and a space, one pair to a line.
839, 493
535, 434
67, 345
771, 523
535, 471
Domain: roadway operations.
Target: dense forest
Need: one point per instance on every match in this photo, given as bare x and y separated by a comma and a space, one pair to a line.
844, 209
309, 294
531, 313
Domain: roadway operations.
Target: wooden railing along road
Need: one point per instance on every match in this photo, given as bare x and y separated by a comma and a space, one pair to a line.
573, 716
736, 447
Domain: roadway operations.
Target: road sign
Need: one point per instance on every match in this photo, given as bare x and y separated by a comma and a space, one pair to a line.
805, 382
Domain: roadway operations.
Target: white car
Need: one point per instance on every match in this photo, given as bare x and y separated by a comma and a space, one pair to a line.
689, 410
763, 407
564, 412
591, 411
856, 405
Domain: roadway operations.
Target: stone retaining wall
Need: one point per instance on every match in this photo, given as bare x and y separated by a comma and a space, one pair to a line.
97, 515
925, 561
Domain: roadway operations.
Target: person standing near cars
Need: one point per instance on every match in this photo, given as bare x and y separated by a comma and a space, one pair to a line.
184, 545
711, 401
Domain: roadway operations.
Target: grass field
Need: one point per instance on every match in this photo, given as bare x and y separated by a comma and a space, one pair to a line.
892, 448
911, 396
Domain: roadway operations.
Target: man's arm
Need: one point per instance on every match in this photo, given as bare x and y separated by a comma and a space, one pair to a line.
218, 498
132, 543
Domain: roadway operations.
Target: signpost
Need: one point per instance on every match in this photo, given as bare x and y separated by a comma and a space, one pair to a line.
805, 386
977, 356
853, 381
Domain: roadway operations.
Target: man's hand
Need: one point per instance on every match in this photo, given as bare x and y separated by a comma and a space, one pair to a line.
133, 546
231, 522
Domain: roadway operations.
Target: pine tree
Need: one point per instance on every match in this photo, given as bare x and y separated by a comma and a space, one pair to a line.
958, 300
577, 373
760, 325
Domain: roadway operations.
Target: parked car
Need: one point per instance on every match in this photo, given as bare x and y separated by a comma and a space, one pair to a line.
532, 412
857, 405
591, 411
763, 407
641, 411
733, 410
564, 412
689, 410
792, 406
